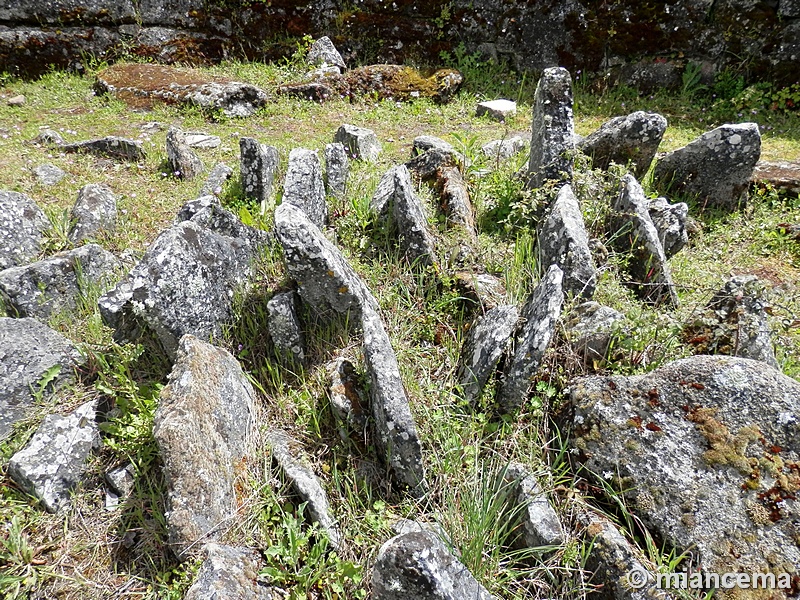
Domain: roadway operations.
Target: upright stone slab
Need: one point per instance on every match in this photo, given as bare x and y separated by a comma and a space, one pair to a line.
634, 233
94, 213
216, 180
670, 222
553, 129
323, 51
563, 241
486, 342
416, 240
303, 186
361, 143
589, 330
337, 169
381, 203
716, 168
33, 358
183, 162
455, 201
22, 229
632, 139
52, 462
258, 167
349, 403
284, 328
204, 426
538, 524
229, 572
539, 317
58, 283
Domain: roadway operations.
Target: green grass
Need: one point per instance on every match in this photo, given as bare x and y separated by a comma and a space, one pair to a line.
89, 552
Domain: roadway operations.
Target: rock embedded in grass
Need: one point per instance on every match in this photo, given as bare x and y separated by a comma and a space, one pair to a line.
23, 226
303, 186
455, 202
183, 162
258, 166
501, 150
337, 169
284, 329
216, 180
631, 139
93, 214
113, 147
361, 143
348, 398
499, 110
538, 523
590, 329
48, 174
229, 572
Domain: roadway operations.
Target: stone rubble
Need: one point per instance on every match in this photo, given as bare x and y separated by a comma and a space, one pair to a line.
539, 525
349, 402
671, 222
455, 201
501, 150
590, 329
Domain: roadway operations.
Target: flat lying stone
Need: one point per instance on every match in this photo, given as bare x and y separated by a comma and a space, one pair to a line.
304, 187
499, 110
31, 356
284, 328
204, 426
418, 565
258, 166
539, 525
553, 129
361, 143
94, 212
22, 228
784, 176
715, 168
109, 147
48, 174
231, 573
670, 220
58, 283
183, 162
337, 168
52, 462
563, 241
505, 148
288, 454
632, 139
204, 141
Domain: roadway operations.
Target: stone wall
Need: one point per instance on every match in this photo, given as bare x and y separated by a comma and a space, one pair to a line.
641, 39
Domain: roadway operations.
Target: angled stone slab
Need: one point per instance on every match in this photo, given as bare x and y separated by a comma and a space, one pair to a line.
94, 213
109, 147
670, 222
381, 202
455, 201
539, 317
303, 186
632, 139
183, 162
538, 524
337, 169
22, 228
258, 165
553, 129
216, 180
563, 241
229, 572
416, 240
284, 328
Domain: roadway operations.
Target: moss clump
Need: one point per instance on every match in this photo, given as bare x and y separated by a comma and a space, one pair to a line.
724, 447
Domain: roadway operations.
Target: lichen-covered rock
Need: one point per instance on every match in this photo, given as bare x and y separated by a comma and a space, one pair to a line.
258, 166
416, 240
52, 462
670, 222
183, 162
288, 455
22, 228
455, 202
483, 290
539, 317
216, 180
538, 525
204, 426
381, 203
58, 283
184, 283
207, 212
48, 174
563, 241
716, 168
361, 143
423, 143
109, 147
229, 573
348, 398
635, 233
284, 328
33, 359
590, 328
204, 141
500, 150
303, 186
337, 169
630, 139
94, 212
323, 51
486, 342
704, 450
498, 110
427, 164
553, 129
418, 565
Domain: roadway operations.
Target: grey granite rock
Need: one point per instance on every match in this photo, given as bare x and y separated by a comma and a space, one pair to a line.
361, 143
670, 222
630, 139
563, 241
455, 201
423, 143
427, 164
204, 426
208, 212
716, 168
258, 166
634, 233
31, 356
183, 162
289, 456
216, 180
94, 213
234, 98
303, 186
590, 328
121, 480
337, 169
204, 141
284, 328
48, 137
382, 202
22, 228
48, 174
418, 565
504, 149
109, 147
539, 317
553, 129
349, 402
538, 523
485, 343
704, 450
52, 462
58, 283
229, 573
416, 240
323, 51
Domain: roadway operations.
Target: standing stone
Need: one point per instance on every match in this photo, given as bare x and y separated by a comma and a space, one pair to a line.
486, 342
109, 147
416, 240
204, 426
58, 283
670, 222
418, 565
538, 522
361, 144
52, 462
631, 139
94, 213
22, 229
303, 186
563, 241
540, 316
216, 179
553, 129
284, 328
590, 329
455, 200
288, 454
48, 174
33, 359
635, 233
716, 168
323, 51
337, 167
381, 204
183, 162
258, 167
229, 573
499, 110
348, 398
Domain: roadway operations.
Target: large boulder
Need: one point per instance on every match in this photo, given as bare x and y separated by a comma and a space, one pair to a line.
704, 452
715, 169
304, 187
630, 139
204, 426
94, 213
58, 283
34, 359
22, 229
